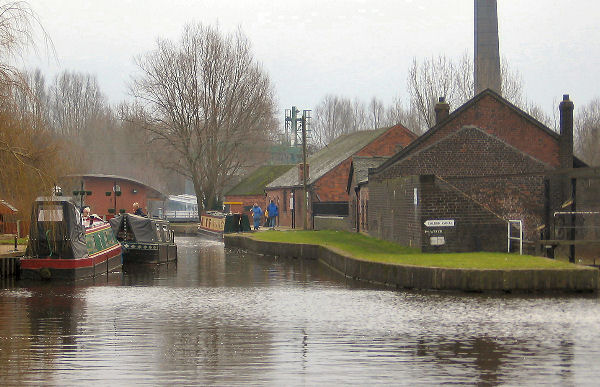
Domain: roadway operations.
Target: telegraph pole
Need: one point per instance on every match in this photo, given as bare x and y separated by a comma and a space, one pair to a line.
305, 196
291, 126
305, 119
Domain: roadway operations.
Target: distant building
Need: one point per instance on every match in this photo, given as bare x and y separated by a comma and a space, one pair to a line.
327, 174
103, 200
181, 208
251, 189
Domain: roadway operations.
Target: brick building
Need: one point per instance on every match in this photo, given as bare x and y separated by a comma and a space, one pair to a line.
327, 177
456, 186
358, 190
103, 200
251, 189
8, 218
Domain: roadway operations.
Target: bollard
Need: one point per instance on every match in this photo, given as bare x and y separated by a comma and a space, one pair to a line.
15, 243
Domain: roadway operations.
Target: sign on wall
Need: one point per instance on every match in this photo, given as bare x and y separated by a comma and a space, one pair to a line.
437, 241
439, 223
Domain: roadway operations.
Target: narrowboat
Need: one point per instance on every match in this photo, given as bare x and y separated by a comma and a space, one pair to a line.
144, 240
60, 247
216, 223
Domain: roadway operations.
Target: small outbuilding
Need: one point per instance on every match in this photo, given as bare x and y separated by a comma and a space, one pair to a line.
459, 186
251, 189
8, 220
327, 176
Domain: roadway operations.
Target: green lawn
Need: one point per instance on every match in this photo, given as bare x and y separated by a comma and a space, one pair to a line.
371, 249
20, 241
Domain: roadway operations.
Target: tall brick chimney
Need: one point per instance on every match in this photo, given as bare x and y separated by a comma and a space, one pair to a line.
487, 50
442, 110
565, 150
301, 172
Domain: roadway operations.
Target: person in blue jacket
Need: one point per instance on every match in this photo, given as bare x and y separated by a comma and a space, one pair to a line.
273, 211
256, 215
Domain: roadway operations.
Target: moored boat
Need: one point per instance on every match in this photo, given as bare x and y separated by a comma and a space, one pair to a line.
216, 223
144, 240
60, 247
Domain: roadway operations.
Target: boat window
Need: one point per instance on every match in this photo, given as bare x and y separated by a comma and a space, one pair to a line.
50, 213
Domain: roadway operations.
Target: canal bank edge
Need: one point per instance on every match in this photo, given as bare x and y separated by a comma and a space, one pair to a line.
581, 279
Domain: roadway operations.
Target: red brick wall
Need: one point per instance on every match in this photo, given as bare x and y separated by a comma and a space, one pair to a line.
281, 197
501, 121
100, 203
396, 138
332, 186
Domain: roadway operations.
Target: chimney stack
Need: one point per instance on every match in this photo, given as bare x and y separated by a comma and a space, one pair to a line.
565, 150
487, 51
301, 172
442, 110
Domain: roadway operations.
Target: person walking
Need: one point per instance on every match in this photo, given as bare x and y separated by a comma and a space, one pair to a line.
273, 211
256, 215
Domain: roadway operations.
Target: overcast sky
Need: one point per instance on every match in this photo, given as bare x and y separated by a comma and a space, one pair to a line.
353, 48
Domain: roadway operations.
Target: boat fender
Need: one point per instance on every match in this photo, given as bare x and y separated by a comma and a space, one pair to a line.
45, 273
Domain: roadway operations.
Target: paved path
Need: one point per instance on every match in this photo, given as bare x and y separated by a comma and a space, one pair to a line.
10, 248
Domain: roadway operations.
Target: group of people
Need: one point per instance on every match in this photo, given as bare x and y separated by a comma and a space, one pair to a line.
271, 213
88, 219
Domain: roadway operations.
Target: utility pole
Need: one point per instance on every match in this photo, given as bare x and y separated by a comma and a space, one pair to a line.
305, 119
291, 127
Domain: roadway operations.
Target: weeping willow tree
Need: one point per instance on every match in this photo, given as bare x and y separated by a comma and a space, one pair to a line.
31, 157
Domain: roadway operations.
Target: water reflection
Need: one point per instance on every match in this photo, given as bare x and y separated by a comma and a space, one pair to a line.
230, 317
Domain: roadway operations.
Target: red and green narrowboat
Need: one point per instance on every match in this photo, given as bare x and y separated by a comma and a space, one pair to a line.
60, 247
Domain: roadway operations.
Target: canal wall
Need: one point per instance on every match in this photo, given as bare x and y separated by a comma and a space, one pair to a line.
431, 278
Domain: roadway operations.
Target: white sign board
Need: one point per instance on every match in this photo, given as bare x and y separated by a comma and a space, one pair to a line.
439, 223
437, 241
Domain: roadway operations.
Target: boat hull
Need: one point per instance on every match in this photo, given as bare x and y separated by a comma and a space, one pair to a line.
142, 252
216, 224
71, 269
104, 254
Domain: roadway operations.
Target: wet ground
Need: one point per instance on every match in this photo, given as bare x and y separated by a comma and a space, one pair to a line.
224, 317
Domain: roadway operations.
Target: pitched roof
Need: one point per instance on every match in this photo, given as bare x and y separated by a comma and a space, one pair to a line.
425, 136
361, 167
329, 157
255, 182
6, 204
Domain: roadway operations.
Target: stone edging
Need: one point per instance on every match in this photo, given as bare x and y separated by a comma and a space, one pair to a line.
432, 278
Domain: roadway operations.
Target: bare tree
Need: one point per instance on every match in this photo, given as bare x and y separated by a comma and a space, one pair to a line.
396, 113
75, 102
443, 77
587, 132
376, 113
335, 116
208, 101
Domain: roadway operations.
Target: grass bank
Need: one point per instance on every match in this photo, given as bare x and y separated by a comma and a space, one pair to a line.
9, 241
371, 249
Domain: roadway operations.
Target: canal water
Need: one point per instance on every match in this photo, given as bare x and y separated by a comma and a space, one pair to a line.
228, 317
